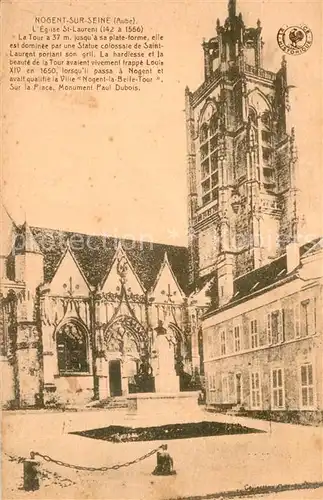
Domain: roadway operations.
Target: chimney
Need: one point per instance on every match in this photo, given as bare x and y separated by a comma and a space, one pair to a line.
292, 254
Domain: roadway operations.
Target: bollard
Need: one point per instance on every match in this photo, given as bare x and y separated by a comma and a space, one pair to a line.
165, 463
31, 480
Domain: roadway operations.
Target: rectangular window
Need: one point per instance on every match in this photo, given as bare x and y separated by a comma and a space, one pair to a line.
307, 386
255, 390
223, 343
275, 327
237, 338
277, 388
225, 389
254, 334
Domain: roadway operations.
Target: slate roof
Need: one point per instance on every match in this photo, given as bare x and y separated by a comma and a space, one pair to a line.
95, 254
255, 282
25, 241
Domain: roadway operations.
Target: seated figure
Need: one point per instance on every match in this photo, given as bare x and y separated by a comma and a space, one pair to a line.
164, 463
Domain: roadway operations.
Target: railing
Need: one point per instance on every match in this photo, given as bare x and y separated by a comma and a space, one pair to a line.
206, 85
260, 72
207, 213
269, 203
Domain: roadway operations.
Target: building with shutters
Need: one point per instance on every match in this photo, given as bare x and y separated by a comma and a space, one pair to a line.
262, 334
263, 349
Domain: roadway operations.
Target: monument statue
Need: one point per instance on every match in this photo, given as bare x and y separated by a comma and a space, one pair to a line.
166, 379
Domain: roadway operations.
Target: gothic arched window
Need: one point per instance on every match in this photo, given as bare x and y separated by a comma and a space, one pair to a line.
253, 119
8, 320
262, 128
72, 349
209, 144
266, 137
204, 133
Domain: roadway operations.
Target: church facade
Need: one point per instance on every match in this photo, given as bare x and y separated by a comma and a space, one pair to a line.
82, 318
262, 334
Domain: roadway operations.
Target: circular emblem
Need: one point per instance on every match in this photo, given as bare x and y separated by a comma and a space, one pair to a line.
295, 40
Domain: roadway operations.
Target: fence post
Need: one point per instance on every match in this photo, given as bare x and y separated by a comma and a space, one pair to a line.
165, 463
31, 480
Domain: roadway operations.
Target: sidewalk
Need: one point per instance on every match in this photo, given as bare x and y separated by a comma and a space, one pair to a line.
283, 454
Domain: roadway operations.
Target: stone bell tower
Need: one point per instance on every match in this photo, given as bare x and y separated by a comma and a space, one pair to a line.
242, 208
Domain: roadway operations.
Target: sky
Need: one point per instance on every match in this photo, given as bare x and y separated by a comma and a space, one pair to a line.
115, 163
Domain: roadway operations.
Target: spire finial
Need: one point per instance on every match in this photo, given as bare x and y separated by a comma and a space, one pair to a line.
284, 62
232, 8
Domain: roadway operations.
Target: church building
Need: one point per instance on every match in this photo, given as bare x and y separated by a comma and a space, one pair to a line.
262, 334
90, 317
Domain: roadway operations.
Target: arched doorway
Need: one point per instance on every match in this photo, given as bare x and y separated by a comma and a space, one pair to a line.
125, 343
115, 382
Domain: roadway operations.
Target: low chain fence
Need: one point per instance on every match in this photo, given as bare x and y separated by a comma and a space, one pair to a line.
93, 469
31, 473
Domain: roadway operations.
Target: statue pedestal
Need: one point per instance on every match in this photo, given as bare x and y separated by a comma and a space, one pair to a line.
163, 408
167, 383
166, 379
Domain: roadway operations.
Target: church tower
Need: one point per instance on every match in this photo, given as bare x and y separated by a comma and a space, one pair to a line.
241, 152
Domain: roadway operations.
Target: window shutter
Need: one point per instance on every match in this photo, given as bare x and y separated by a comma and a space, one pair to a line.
311, 314
269, 329
280, 325
297, 326
231, 388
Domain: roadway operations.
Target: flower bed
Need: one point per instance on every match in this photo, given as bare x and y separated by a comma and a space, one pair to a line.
121, 434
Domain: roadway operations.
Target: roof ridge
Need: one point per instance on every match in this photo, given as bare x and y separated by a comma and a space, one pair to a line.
114, 237
9, 215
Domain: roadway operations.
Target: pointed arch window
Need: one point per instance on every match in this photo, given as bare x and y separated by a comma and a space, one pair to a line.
8, 324
266, 137
209, 145
263, 137
204, 133
72, 349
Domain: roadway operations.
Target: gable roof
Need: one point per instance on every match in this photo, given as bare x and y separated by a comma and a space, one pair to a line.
118, 256
95, 254
166, 264
255, 282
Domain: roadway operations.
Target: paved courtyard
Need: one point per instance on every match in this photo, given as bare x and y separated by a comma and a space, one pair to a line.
283, 454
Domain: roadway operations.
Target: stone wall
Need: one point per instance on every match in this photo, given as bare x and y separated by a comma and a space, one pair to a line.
7, 386
70, 390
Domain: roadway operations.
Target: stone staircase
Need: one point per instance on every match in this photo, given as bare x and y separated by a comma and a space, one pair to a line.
110, 403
